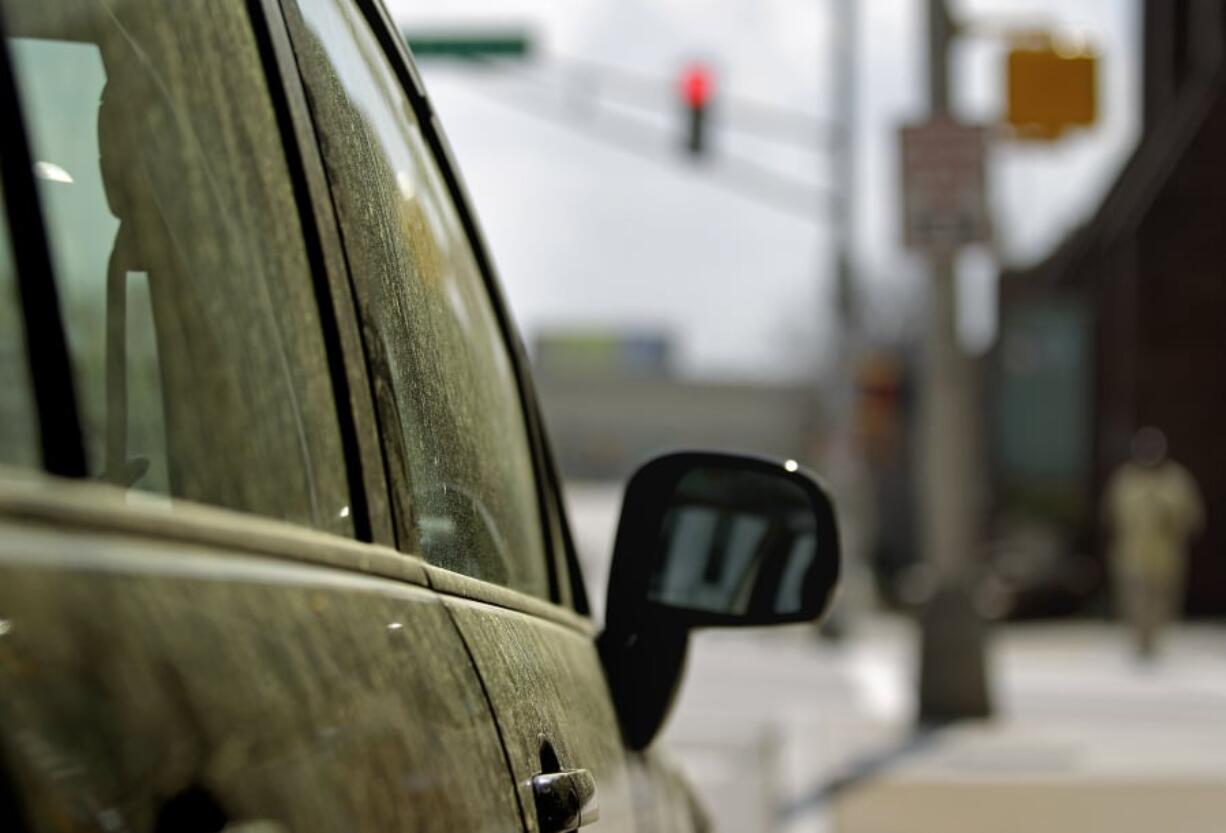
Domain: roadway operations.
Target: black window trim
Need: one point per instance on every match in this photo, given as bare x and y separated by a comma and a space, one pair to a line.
271, 57
59, 427
297, 125
549, 499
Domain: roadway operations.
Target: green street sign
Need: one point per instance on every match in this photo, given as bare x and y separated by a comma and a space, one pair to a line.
468, 44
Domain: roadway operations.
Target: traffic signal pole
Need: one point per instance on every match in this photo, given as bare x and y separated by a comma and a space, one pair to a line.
952, 667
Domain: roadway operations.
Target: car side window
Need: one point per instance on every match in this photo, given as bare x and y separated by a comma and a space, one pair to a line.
453, 424
18, 416
186, 292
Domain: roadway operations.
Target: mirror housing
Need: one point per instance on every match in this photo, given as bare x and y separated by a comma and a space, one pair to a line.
708, 539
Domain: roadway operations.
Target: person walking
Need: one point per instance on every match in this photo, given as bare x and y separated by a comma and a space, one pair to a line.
1153, 507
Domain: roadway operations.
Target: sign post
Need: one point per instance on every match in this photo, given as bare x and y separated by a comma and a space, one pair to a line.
1052, 88
945, 207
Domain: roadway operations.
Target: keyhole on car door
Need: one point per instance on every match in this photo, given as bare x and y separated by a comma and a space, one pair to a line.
549, 758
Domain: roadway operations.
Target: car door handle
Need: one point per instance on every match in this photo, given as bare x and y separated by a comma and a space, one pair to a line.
565, 800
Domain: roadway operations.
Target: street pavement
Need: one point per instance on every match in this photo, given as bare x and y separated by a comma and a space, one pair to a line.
783, 731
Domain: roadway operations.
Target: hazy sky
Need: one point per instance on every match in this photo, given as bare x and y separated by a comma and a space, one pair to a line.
595, 218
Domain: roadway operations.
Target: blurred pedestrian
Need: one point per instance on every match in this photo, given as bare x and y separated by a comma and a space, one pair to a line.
1153, 508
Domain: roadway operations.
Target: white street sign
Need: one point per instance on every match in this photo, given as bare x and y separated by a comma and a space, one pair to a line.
944, 196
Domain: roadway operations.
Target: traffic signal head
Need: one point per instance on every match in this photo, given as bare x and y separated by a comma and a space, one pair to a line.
697, 85
696, 88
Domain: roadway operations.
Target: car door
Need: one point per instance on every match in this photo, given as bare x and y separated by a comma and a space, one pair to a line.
202, 621
468, 482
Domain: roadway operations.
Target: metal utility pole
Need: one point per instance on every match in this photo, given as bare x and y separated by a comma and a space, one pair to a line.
842, 454
842, 160
953, 673
844, 53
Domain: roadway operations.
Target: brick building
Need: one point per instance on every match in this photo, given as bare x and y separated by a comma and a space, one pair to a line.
1124, 325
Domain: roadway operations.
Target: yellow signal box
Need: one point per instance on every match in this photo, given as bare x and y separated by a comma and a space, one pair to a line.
1051, 90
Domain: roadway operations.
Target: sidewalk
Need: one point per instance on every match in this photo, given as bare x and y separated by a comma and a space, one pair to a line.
1085, 739
781, 732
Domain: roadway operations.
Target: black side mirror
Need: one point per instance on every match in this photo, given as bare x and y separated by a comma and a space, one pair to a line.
708, 539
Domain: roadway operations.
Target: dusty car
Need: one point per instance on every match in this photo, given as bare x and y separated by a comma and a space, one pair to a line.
281, 542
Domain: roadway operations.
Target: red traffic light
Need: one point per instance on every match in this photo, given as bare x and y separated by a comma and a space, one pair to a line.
697, 85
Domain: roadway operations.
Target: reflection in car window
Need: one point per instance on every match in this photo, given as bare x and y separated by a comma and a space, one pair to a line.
185, 287
448, 400
18, 419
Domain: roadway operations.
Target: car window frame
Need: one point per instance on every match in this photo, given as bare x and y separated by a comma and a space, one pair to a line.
61, 439
562, 568
50, 363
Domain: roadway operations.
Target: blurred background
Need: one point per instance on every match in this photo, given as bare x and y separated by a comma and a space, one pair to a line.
951, 257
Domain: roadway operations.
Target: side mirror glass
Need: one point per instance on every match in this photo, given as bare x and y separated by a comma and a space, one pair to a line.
741, 544
720, 539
